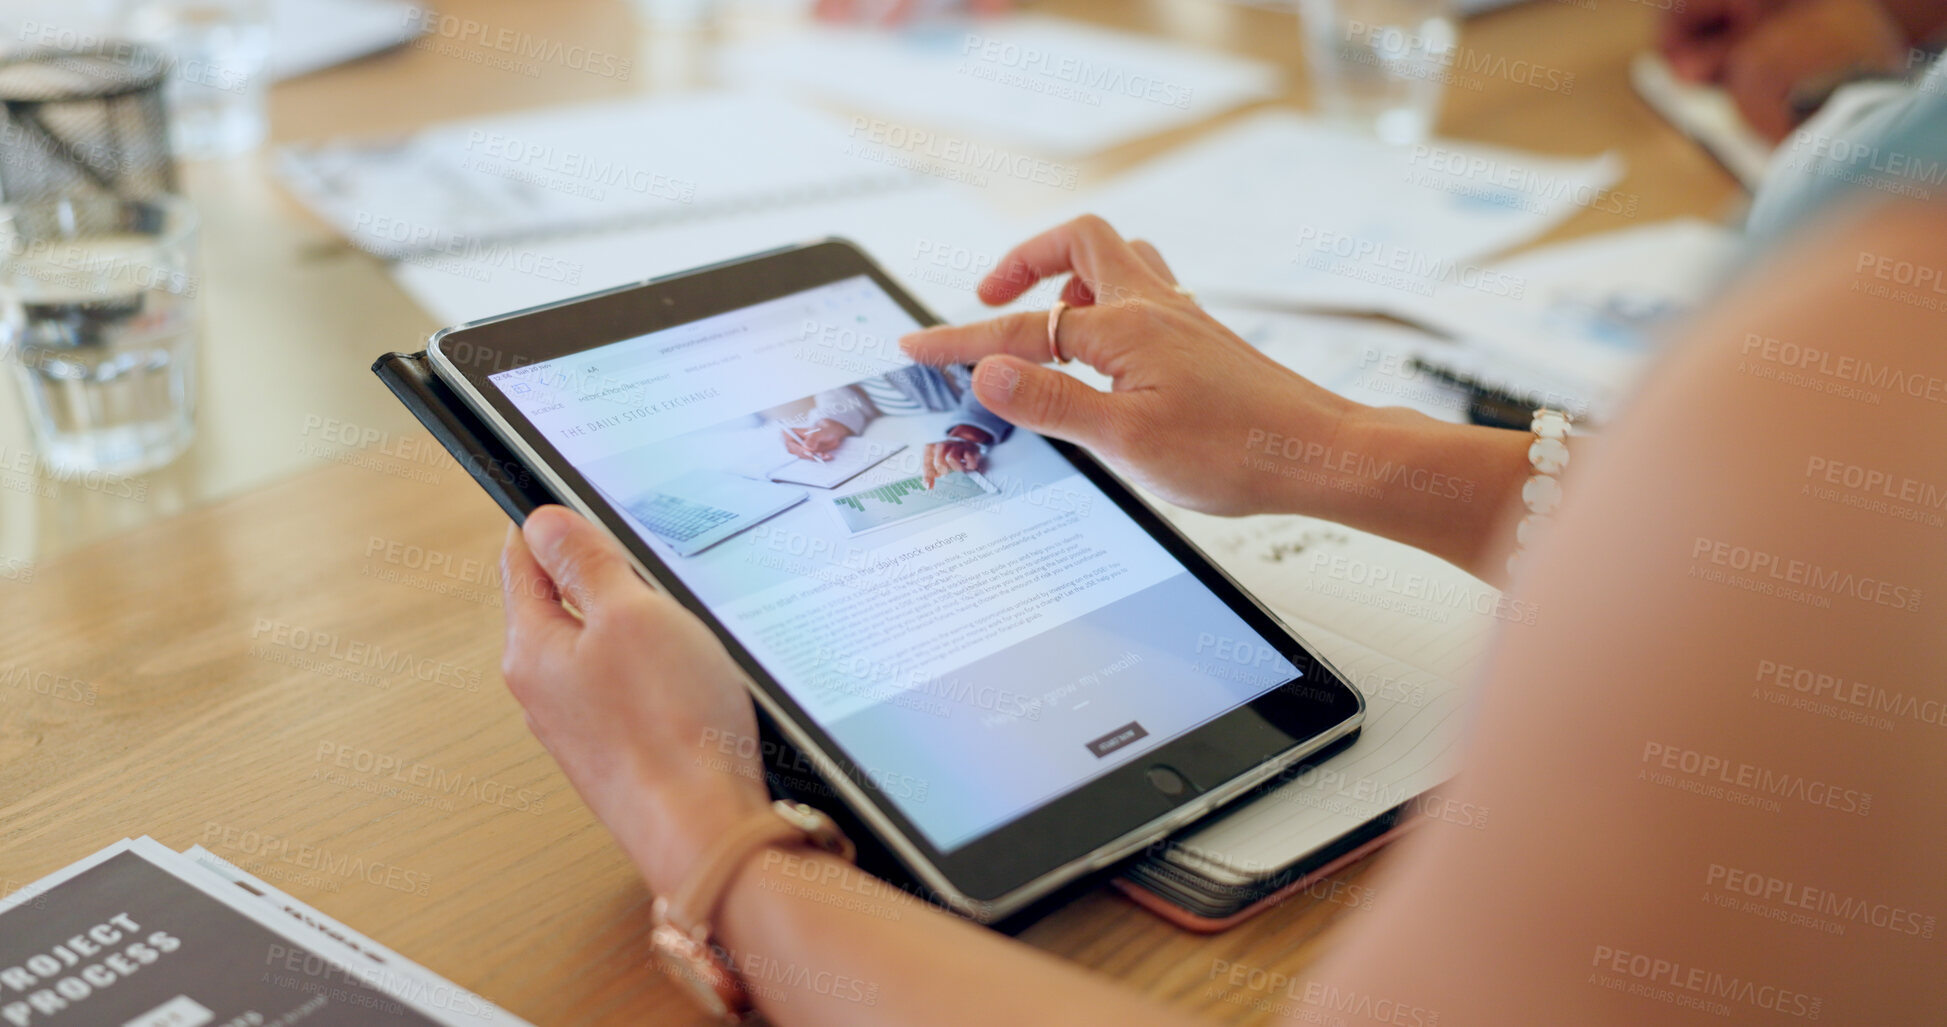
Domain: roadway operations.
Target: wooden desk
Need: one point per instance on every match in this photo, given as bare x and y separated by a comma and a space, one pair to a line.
163, 673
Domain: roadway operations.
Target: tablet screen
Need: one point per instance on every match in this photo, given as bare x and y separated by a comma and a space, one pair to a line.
976, 623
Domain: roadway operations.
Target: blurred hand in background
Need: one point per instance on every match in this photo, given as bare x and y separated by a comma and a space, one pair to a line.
1770, 53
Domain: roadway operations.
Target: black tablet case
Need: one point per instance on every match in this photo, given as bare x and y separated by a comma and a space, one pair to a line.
499, 471
496, 468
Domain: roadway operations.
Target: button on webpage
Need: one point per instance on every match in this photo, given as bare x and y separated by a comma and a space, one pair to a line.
1116, 739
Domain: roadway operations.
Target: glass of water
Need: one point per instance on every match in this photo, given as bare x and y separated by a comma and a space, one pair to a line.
1380, 66
219, 51
98, 319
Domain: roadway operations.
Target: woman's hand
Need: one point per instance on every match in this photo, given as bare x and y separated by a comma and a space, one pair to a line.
815, 442
1696, 37
1762, 51
636, 700
1810, 44
1191, 399
1201, 418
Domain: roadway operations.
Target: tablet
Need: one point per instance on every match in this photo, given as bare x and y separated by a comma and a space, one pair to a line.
1015, 676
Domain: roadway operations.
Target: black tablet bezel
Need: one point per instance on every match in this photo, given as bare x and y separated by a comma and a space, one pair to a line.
1261, 733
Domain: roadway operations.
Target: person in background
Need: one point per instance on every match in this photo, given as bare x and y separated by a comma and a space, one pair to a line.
1779, 58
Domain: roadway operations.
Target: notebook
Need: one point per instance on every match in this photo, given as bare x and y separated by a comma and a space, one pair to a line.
1410, 632
1407, 750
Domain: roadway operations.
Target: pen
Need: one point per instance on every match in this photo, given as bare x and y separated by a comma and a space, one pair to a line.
1488, 405
804, 437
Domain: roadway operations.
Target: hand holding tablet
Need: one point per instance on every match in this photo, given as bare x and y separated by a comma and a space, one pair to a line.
990, 671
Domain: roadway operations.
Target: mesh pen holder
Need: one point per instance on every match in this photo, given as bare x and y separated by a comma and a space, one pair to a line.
84, 123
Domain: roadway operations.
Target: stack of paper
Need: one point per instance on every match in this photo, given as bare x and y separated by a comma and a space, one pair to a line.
1705, 113
142, 936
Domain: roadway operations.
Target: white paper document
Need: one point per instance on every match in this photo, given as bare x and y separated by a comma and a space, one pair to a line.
188, 939
1055, 87
455, 189
1361, 358
1277, 208
379, 963
937, 240
1586, 316
311, 35
305, 35
1706, 114
1404, 602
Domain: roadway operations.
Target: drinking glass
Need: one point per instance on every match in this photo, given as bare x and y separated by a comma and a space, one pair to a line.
218, 50
1380, 66
98, 319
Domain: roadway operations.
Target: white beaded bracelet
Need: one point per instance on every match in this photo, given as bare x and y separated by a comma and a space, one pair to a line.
1542, 493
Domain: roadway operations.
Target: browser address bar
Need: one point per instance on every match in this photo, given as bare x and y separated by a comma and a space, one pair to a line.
620, 379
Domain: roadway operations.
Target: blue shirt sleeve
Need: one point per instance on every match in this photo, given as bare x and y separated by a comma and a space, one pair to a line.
1872, 140
972, 413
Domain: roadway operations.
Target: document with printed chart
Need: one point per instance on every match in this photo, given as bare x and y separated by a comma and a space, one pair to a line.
141, 936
